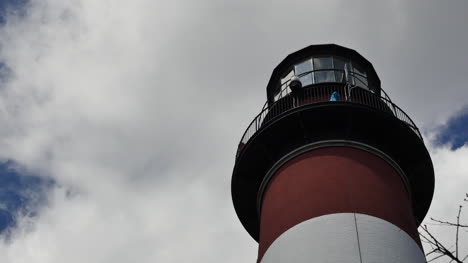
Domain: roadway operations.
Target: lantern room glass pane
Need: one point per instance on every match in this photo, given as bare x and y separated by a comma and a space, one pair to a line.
287, 77
359, 71
306, 79
323, 63
360, 77
360, 81
339, 63
324, 76
340, 76
303, 67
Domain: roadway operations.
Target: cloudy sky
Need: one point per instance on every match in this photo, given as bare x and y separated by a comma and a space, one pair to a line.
119, 120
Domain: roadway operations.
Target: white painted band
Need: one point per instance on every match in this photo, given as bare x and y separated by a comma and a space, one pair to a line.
344, 237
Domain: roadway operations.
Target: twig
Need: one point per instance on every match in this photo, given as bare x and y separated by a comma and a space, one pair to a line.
437, 246
458, 227
447, 223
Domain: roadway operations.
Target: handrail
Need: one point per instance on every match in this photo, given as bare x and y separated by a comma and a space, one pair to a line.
322, 94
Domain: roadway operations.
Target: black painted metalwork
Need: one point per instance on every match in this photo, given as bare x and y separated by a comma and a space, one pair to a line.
321, 93
328, 109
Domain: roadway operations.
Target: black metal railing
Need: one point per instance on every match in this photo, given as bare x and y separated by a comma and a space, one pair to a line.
323, 94
338, 76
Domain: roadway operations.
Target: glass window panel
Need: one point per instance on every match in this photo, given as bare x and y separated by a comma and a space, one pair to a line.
287, 77
339, 63
324, 76
340, 76
303, 67
306, 79
359, 71
360, 81
282, 94
277, 97
360, 77
285, 92
323, 63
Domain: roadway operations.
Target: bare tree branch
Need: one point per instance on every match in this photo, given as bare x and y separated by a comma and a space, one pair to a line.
437, 257
447, 223
458, 228
438, 249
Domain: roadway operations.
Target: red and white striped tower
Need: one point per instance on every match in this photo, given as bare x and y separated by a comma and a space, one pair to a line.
332, 170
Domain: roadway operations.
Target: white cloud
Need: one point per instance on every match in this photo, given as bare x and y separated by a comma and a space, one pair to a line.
137, 108
97, 103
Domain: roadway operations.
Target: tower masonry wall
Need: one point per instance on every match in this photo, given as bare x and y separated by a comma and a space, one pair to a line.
341, 202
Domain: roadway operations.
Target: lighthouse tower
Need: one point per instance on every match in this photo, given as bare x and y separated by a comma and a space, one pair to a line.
331, 170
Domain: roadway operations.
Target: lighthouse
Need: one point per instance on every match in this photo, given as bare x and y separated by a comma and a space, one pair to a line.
331, 169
